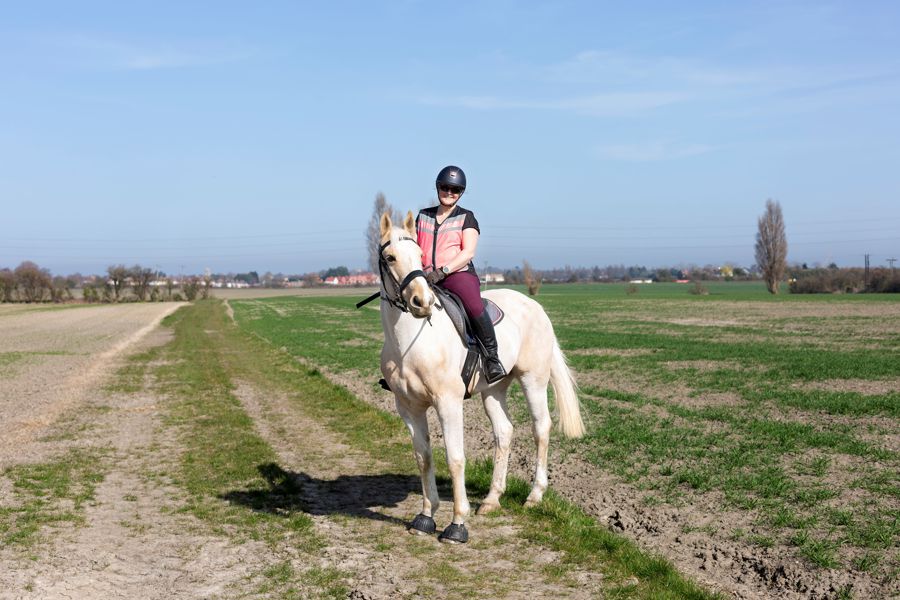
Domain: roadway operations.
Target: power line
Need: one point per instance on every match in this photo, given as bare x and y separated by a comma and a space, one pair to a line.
693, 247
303, 235
302, 244
488, 246
675, 226
319, 232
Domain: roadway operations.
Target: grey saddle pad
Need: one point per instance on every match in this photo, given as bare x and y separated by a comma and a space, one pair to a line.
457, 314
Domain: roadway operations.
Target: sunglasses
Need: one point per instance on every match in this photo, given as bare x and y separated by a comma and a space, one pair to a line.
451, 189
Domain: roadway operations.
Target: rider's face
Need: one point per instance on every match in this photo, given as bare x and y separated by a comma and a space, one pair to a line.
449, 195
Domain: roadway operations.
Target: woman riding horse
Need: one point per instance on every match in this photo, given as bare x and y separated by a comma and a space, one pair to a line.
423, 356
448, 235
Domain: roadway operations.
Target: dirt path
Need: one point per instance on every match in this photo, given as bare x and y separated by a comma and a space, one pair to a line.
132, 544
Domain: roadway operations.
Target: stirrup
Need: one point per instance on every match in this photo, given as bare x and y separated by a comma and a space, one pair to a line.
493, 375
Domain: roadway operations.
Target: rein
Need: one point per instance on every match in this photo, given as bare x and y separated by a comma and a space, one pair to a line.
398, 286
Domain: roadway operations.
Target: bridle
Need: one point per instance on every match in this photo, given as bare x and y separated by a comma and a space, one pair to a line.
397, 287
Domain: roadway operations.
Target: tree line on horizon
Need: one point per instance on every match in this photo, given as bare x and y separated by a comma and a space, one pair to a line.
29, 283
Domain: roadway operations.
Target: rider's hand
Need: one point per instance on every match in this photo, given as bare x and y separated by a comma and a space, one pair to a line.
435, 276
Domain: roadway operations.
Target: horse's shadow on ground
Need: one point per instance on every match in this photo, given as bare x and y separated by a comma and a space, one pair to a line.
352, 495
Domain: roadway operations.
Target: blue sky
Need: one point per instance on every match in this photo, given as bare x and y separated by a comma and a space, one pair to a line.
188, 135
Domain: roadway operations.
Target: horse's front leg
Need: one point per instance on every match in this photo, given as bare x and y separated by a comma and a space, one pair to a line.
417, 423
450, 413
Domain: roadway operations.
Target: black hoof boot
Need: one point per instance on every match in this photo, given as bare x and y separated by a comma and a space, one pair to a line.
422, 525
455, 534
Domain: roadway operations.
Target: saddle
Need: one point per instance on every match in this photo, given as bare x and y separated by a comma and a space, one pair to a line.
453, 306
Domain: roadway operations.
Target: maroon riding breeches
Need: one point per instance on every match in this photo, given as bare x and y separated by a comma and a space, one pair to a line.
468, 288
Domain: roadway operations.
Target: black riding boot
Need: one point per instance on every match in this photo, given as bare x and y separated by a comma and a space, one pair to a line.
484, 329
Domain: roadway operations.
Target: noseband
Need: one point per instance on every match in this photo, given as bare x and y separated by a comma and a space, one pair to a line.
398, 287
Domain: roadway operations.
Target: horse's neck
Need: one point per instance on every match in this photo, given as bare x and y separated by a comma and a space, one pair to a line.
405, 332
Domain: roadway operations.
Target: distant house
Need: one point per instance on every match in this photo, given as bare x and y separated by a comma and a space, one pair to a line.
355, 279
493, 278
219, 283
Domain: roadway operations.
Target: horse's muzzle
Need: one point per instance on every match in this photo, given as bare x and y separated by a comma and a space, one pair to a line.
420, 301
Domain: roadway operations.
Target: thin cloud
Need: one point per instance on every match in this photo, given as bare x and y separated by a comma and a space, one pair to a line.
106, 53
600, 105
616, 68
705, 79
650, 151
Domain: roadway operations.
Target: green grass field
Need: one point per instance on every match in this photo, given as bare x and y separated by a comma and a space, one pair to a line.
783, 407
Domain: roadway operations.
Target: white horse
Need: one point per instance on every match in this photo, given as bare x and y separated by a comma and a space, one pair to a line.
422, 359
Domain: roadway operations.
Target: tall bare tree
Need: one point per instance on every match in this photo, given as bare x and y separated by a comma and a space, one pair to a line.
141, 277
117, 275
7, 285
373, 231
35, 284
532, 279
771, 246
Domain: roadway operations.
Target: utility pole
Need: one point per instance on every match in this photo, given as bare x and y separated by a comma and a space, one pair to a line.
891, 261
866, 277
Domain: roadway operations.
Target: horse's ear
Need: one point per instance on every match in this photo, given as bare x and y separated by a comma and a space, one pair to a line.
385, 223
410, 224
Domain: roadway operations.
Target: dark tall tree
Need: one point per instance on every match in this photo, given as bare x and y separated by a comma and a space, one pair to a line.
341, 271
771, 246
373, 231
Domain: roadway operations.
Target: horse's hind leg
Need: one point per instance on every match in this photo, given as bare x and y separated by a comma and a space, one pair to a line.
417, 423
535, 389
495, 407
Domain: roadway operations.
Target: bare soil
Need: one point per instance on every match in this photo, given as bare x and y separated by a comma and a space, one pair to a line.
61, 357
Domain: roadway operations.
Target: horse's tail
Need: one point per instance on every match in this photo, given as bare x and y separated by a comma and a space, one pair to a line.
565, 391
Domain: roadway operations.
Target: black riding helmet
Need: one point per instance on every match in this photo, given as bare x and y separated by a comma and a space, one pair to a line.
451, 175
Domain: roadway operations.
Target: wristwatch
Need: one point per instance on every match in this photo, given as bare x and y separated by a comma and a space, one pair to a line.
445, 270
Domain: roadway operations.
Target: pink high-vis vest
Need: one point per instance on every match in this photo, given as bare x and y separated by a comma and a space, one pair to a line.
441, 243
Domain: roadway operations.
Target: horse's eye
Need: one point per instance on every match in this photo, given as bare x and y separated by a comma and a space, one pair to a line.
390, 258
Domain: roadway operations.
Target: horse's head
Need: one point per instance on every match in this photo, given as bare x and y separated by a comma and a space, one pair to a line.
401, 266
